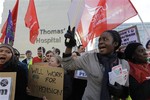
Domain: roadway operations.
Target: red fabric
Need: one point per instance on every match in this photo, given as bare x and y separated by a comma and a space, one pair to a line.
31, 21
14, 20
101, 15
80, 30
36, 60
139, 72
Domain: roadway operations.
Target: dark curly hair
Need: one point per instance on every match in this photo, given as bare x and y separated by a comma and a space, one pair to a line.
130, 49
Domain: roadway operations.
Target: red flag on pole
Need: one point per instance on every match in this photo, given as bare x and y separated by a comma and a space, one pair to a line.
31, 21
103, 15
14, 21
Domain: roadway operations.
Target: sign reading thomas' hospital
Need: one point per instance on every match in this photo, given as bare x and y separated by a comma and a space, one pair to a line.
53, 21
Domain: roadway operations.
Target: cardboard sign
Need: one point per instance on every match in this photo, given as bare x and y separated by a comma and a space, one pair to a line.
46, 81
7, 85
129, 35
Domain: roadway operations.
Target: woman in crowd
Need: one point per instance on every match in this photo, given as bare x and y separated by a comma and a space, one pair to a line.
139, 79
97, 66
48, 55
9, 63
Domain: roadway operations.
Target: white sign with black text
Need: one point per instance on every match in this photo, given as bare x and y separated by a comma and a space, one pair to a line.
5, 88
129, 35
80, 74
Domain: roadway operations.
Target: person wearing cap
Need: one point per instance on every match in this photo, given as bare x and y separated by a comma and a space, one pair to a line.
9, 63
139, 79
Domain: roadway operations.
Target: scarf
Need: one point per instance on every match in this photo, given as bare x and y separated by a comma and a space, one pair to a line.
139, 72
108, 62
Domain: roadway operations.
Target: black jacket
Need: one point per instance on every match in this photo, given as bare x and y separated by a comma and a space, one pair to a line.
21, 81
139, 91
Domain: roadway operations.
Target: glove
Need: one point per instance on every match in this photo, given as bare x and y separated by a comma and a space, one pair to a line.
118, 90
69, 38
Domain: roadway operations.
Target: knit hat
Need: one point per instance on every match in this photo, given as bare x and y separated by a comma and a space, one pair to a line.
10, 64
9, 47
130, 49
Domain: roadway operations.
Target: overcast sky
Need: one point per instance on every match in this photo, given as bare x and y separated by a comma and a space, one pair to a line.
142, 6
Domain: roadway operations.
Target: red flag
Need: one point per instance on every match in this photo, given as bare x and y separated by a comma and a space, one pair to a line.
14, 21
31, 21
103, 15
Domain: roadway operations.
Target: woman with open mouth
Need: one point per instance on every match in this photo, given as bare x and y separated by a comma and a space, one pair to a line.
98, 65
9, 63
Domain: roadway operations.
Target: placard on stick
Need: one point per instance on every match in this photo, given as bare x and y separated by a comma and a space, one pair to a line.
46, 81
129, 35
10, 77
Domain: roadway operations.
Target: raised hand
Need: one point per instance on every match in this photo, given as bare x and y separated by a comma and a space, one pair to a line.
70, 40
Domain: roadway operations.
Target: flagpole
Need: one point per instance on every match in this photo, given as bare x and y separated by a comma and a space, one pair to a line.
78, 39
144, 26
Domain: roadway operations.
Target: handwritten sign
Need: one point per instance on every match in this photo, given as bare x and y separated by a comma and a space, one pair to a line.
46, 81
7, 85
129, 35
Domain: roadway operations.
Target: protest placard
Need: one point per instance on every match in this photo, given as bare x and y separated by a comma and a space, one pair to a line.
80, 74
46, 81
7, 85
129, 35
118, 75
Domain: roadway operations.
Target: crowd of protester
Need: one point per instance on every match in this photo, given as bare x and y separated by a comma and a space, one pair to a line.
96, 65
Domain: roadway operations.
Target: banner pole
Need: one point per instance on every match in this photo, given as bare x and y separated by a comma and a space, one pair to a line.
78, 39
